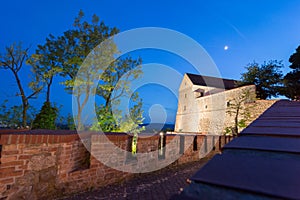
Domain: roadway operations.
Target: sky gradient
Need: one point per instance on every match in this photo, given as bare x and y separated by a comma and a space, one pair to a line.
253, 31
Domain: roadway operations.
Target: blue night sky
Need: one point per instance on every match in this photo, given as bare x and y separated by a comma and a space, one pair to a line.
252, 30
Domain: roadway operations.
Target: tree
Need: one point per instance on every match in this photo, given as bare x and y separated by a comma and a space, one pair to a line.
237, 108
110, 121
106, 120
267, 77
70, 122
13, 60
116, 79
291, 80
11, 116
45, 67
295, 59
74, 47
115, 121
46, 118
115, 84
131, 123
45, 63
81, 50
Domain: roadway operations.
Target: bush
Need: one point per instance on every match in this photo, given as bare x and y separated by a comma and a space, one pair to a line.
46, 118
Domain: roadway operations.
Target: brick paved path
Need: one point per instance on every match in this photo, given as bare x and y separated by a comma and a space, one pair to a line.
162, 184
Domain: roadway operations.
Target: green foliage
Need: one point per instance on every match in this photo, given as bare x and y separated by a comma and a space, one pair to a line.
116, 79
114, 85
70, 122
80, 41
68, 54
242, 123
267, 77
113, 121
291, 80
11, 117
295, 59
45, 63
13, 60
106, 120
65, 122
46, 118
78, 48
131, 123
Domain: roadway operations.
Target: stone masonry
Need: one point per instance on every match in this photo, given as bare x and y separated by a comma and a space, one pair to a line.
203, 109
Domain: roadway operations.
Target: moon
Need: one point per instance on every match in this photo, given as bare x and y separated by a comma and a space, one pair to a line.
226, 47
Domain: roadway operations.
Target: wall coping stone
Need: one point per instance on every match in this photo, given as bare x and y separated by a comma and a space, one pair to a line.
39, 136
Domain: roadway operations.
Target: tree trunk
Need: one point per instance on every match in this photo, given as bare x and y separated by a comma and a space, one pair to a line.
24, 100
24, 112
107, 100
79, 125
48, 90
236, 122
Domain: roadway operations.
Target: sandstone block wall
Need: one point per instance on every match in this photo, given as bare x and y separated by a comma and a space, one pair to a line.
209, 114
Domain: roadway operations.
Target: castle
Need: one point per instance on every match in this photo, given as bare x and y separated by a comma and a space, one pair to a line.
212, 105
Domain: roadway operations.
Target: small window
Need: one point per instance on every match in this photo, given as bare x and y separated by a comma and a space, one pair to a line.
199, 93
228, 103
205, 106
184, 95
184, 108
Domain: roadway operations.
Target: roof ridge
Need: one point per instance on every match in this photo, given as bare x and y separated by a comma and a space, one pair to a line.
212, 81
211, 77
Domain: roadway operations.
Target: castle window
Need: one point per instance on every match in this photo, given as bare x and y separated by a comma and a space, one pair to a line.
199, 93
185, 95
184, 108
228, 103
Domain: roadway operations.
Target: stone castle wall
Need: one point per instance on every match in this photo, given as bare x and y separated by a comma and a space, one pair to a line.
48, 164
211, 114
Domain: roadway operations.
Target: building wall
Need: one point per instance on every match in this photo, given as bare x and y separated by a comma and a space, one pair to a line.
210, 114
187, 117
48, 164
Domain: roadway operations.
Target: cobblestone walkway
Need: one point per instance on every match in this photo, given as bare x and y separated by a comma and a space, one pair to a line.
162, 184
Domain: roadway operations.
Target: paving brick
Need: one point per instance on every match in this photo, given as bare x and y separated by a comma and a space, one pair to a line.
162, 184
